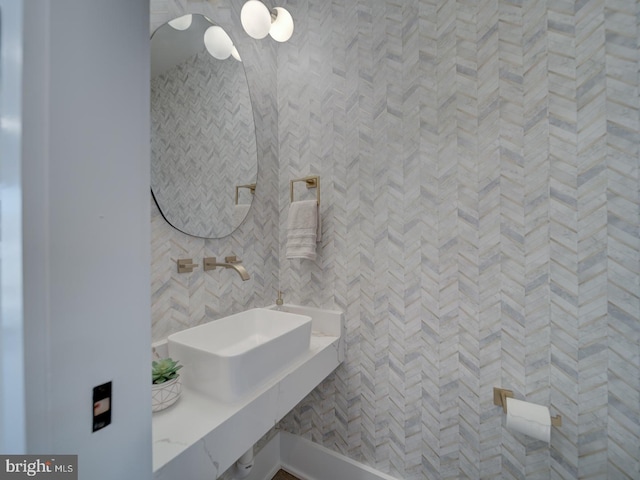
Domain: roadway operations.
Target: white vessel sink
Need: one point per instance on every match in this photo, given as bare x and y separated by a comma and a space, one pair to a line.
229, 358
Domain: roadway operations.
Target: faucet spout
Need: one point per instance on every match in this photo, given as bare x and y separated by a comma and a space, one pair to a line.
233, 262
244, 275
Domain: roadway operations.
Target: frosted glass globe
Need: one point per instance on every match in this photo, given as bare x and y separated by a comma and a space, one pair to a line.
181, 23
255, 19
282, 28
217, 42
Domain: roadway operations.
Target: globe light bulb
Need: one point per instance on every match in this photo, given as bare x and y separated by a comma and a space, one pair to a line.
235, 54
255, 19
282, 27
218, 43
181, 23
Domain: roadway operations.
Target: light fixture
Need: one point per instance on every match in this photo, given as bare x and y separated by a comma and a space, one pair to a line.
181, 23
218, 43
258, 21
281, 26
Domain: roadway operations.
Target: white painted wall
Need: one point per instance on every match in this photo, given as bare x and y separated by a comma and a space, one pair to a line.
12, 414
86, 231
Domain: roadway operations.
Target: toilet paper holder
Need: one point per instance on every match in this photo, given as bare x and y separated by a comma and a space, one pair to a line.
500, 396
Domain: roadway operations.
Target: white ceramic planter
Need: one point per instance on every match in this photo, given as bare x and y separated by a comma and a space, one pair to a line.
165, 394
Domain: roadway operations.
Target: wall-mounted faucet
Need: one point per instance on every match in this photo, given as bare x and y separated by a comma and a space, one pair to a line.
230, 262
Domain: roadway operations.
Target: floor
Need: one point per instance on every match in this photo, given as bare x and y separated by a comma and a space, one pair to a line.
282, 475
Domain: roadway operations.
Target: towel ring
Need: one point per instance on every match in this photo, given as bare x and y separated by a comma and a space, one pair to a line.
312, 181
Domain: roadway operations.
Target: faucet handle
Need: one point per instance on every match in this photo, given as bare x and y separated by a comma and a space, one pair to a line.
186, 265
279, 300
232, 259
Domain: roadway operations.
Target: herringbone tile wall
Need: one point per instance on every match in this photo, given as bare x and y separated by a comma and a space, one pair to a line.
180, 301
480, 201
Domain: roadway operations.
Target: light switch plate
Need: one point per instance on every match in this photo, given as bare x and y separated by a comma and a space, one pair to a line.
102, 404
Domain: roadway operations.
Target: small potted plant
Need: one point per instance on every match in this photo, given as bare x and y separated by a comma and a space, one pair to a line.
166, 384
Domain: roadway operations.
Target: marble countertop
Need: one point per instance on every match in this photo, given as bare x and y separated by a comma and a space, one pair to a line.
198, 423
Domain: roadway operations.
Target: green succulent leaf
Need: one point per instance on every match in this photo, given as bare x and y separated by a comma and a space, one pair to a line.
164, 370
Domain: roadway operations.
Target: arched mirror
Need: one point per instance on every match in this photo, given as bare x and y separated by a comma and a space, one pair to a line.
203, 142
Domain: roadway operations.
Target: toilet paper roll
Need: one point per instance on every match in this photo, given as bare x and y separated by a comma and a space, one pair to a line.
529, 418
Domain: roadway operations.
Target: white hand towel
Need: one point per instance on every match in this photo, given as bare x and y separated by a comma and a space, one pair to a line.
303, 229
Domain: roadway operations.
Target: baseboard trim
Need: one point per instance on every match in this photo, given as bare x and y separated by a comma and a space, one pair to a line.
311, 461
308, 460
